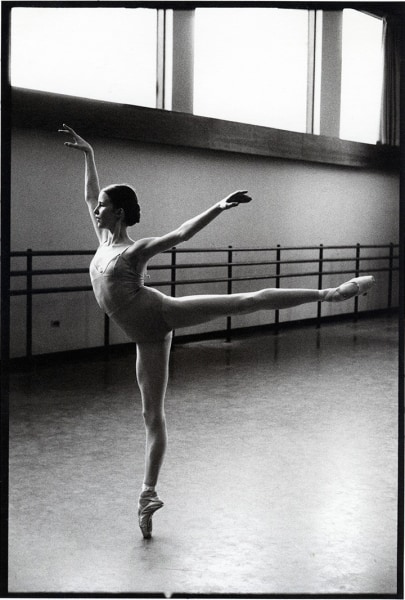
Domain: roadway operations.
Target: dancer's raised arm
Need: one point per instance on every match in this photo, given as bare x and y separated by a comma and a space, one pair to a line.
91, 182
149, 247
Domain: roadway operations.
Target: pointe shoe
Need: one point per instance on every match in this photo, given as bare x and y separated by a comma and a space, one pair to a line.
147, 505
350, 289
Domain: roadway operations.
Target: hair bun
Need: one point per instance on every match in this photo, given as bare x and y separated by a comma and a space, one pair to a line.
124, 196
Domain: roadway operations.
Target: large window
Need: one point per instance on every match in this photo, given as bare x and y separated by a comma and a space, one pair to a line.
251, 65
361, 77
263, 66
102, 53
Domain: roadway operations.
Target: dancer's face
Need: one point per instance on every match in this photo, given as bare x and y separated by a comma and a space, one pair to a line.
105, 212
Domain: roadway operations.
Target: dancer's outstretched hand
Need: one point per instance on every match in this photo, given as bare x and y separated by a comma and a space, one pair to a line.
234, 199
78, 142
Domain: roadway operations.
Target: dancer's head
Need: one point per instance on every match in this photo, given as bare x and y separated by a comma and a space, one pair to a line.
123, 198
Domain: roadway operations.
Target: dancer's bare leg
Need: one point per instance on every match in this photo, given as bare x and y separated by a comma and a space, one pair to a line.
152, 366
152, 374
194, 310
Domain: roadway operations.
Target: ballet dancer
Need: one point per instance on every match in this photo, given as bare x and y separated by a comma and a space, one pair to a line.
147, 316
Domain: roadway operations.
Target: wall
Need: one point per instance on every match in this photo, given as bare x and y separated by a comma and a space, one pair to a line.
294, 204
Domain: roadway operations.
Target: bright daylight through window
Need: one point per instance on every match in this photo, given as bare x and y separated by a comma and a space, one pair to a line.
361, 77
104, 53
251, 66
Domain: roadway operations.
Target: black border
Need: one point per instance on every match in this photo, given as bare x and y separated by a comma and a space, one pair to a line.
5, 297
396, 8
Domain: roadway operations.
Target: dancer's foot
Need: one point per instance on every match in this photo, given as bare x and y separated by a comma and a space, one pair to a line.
355, 287
148, 504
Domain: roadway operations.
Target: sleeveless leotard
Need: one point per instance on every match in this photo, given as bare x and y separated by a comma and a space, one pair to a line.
121, 293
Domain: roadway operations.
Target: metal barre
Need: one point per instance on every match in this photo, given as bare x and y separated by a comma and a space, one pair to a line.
230, 251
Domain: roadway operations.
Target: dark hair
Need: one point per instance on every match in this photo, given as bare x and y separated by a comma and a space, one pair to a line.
123, 196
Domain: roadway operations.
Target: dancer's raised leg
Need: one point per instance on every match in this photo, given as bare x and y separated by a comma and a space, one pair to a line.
194, 310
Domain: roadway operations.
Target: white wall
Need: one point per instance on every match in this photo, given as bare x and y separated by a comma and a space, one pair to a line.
294, 204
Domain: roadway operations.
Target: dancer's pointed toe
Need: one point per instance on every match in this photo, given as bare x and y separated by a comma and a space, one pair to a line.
357, 286
148, 504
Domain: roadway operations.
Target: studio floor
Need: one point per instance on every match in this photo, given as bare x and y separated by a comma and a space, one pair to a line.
280, 477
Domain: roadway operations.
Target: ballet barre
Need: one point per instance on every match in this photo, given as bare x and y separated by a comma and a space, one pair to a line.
357, 259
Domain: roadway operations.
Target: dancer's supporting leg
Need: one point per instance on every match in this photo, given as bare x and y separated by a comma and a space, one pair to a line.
152, 373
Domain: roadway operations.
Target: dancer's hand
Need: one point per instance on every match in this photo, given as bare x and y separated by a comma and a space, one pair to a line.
234, 199
78, 142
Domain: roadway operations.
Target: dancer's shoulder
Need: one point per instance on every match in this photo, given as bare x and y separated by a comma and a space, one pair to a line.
140, 246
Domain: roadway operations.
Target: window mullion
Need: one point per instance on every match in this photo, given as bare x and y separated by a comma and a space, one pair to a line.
160, 58
311, 71
183, 60
331, 73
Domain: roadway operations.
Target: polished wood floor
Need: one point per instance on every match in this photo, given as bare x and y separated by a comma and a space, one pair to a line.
280, 478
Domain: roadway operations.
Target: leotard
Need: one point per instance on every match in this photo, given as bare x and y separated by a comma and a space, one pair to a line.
121, 293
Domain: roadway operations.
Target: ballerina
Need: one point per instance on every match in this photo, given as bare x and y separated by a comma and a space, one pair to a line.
148, 317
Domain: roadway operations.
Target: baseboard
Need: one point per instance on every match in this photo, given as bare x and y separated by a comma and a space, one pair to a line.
101, 352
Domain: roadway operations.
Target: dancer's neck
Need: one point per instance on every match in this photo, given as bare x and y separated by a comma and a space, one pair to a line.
119, 236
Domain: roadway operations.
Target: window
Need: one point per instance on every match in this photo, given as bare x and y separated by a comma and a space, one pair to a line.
238, 74
102, 53
361, 77
261, 66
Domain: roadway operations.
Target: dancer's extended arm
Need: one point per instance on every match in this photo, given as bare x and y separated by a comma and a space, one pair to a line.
91, 182
148, 247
